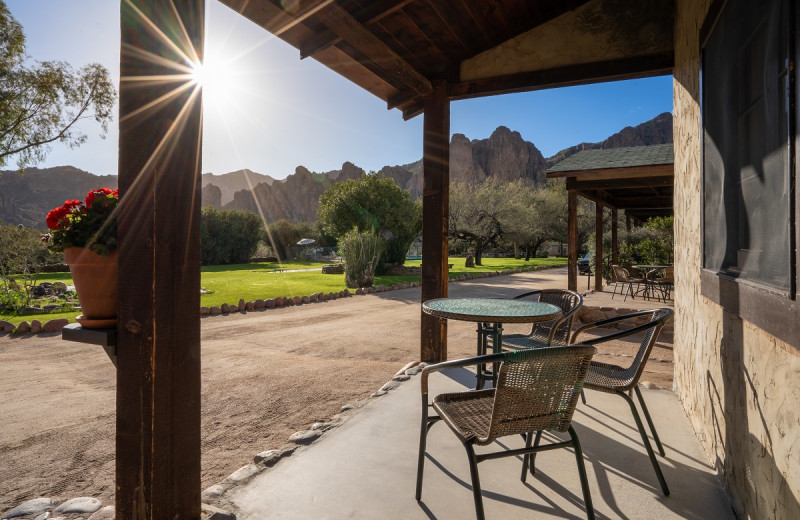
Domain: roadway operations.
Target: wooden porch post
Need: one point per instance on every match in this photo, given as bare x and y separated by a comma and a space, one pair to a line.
614, 238
158, 345
598, 247
435, 207
572, 240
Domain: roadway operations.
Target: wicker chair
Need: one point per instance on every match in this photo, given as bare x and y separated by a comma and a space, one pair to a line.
623, 277
664, 283
605, 377
545, 333
536, 390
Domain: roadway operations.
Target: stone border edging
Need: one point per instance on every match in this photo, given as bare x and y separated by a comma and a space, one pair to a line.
214, 496
243, 306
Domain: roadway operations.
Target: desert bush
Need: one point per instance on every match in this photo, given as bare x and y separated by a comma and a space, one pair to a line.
361, 252
229, 236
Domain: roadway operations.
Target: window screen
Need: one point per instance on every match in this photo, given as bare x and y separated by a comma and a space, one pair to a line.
746, 148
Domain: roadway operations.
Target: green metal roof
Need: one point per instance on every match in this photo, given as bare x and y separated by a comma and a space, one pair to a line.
616, 158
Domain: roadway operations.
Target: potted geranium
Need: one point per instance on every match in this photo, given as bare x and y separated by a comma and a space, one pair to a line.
87, 234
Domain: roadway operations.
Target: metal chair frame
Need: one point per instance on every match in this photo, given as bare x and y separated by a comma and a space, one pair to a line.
629, 385
516, 370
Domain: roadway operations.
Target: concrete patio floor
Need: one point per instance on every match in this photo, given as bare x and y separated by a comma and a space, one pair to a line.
366, 468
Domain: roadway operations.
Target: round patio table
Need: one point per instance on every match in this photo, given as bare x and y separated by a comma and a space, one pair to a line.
490, 314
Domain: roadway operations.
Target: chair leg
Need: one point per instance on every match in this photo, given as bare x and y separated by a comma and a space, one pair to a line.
583, 397
587, 497
533, 455
649, 420
526, 457
476, 481
646, 443
425, 426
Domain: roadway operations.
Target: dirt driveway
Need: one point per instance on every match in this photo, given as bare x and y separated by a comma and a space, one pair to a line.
266, 375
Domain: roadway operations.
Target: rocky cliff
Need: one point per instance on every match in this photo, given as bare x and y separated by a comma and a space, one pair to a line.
25, 198
656, 131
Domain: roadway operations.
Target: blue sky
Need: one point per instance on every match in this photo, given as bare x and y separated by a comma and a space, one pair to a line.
270, 111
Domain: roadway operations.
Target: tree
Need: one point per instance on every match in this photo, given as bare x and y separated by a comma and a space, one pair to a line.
283, 235
41, 104
376, 204
481, 214
228, 236
22, 257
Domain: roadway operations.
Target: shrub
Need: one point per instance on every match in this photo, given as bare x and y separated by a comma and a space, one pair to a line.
372, 203
229, 236
361, 252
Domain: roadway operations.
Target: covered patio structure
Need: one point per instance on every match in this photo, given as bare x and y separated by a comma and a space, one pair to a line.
732, 352
637, 180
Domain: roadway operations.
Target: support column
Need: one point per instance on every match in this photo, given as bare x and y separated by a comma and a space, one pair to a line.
614, 237
598, 247
435, 206
158, 345
572, 240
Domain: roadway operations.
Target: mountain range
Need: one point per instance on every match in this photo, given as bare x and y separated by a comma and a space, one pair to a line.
25, 198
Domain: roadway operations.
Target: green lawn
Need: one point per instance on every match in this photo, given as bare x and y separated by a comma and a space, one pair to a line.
229, 283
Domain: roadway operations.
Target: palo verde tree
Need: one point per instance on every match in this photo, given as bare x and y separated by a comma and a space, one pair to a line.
41, 104
376, 204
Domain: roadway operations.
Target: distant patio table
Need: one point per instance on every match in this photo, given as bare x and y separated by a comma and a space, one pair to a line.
490, 314
648, 270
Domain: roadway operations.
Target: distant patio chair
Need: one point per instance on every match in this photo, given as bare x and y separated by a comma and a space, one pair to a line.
664, 283
614, 379
545, 333
623, 277
536, 390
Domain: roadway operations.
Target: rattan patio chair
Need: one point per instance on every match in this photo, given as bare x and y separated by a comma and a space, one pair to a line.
664, 283
605, 377
545, 333
536, 390
623, 277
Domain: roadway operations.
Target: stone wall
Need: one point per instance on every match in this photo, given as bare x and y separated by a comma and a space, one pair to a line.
740, 386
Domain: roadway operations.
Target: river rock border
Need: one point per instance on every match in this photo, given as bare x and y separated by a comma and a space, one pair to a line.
242, 306
214, 495
215, 505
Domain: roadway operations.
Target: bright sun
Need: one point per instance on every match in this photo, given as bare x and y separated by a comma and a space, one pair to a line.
216, 78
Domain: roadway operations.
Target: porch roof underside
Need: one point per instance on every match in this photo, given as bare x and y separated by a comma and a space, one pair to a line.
637, 179
396, 49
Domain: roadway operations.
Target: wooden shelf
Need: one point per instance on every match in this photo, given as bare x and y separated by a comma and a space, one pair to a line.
106, 338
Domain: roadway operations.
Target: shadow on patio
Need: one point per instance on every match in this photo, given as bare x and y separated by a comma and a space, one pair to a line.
367, 468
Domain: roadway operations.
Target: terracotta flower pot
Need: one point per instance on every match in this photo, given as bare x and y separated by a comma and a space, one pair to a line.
95, 279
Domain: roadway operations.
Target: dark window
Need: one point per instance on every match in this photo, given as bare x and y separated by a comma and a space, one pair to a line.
747, 155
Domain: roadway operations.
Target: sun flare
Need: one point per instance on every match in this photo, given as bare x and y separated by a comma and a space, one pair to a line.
216, 78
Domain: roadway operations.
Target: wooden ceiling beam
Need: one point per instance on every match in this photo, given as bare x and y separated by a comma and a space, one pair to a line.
352, 31
370, 14
610, 184
413, 110
273, 18
613, 70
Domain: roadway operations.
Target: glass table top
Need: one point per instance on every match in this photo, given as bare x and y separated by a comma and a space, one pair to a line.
495, 310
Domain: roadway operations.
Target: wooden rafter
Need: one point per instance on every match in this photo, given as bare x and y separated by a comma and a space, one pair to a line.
352, 31
273, 18
370, 14
620, 183
613, 70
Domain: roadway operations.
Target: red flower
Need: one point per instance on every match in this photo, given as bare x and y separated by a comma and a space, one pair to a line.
55, 216
100, 191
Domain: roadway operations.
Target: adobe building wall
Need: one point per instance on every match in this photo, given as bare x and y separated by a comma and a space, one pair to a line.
740, 386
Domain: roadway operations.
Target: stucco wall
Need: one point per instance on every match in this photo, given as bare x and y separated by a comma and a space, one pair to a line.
740, 386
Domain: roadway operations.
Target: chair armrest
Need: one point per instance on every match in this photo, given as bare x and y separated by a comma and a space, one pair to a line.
608, 321
621, 334
525, 295
475, 360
